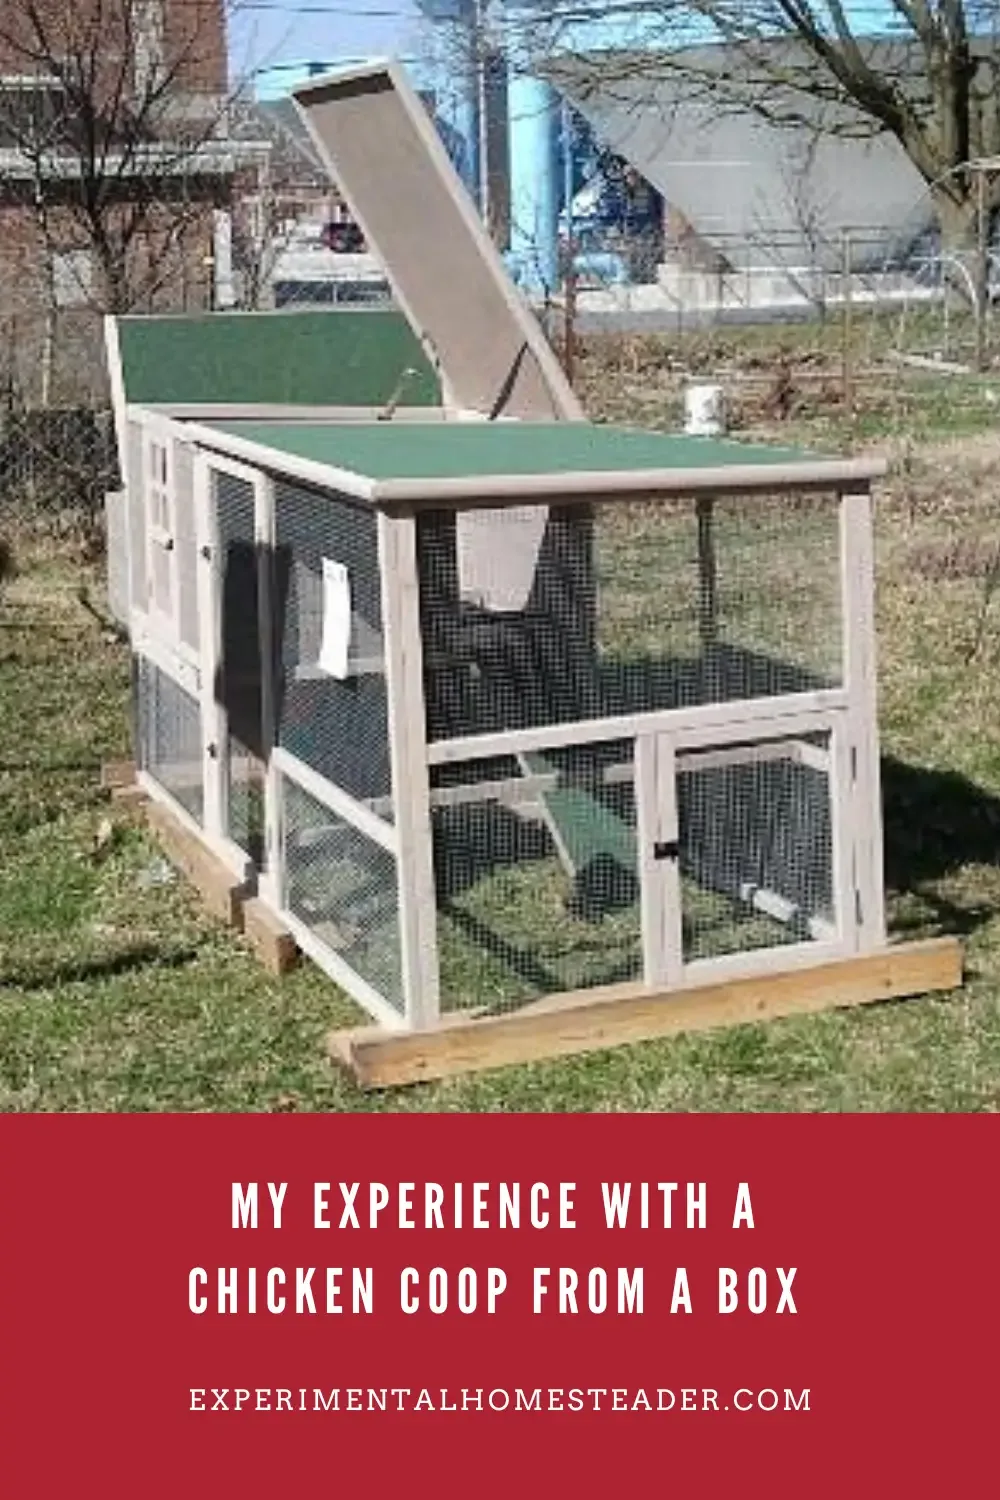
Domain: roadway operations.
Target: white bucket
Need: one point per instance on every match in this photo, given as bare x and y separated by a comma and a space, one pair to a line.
704, 410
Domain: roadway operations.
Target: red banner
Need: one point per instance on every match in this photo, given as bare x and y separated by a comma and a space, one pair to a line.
512, 1306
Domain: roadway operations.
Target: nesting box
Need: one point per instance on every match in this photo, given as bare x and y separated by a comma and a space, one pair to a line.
536, 734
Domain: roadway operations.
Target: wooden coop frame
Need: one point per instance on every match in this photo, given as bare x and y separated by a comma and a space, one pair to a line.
495, 477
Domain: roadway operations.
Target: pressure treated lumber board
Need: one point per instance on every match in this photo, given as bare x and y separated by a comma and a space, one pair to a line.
222, 894
588, 1021
268, 936
117, 774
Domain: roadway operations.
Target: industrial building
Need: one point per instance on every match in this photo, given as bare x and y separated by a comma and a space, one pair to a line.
577, 134
739, 193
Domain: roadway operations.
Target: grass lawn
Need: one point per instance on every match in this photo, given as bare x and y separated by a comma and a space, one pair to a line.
116, 993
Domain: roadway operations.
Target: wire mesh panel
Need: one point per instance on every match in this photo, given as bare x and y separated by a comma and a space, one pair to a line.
343, 887
331, 710
756, 845
238, 680
170, 738
629, 607
536, 874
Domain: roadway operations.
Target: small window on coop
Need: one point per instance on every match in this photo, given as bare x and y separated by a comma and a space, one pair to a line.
160, 531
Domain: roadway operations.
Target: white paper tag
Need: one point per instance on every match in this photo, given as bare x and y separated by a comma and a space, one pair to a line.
336, 639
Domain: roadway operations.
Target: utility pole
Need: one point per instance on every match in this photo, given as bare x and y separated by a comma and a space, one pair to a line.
480, 54
569, 286
847, 352
982, 285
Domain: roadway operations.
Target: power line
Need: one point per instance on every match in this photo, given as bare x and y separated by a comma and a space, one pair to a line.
328, 10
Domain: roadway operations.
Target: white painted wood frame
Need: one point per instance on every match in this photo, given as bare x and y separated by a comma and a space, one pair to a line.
695, 724
327, 959
271, 878
785, 738
359, 814
164, 655
864, 805
157, 792
659, 877
397, 547
694, 741
215, 728
156, 634
665, 742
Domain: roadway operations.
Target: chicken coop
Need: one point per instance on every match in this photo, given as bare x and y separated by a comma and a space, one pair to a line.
534, 734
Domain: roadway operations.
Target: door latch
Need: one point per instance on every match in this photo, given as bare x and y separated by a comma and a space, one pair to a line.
666, 849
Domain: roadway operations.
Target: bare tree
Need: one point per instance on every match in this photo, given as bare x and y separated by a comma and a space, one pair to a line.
113, 114
288, 178
926, 72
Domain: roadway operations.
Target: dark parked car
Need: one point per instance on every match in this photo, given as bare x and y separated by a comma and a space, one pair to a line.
343, 239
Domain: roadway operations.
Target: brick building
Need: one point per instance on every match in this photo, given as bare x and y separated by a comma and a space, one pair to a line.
117, 165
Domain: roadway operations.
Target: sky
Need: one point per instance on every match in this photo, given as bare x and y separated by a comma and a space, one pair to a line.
276, 33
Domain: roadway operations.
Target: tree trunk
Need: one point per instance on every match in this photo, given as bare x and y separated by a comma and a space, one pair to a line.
965, 253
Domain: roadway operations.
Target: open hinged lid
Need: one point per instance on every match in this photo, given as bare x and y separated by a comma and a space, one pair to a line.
382, 150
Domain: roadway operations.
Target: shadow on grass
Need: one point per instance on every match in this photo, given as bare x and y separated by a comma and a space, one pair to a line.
935, 824
146, 955
51, 765
520, 961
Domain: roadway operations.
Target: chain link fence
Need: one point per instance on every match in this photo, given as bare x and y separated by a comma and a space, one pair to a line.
863, 310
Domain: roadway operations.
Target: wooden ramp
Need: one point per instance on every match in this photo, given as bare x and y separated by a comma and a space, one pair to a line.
581, 827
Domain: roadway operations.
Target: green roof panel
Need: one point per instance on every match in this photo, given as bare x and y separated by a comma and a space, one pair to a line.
335, 357
458, 450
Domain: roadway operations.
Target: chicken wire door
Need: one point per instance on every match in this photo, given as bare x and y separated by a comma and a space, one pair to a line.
748, 863
230, 518
338, 882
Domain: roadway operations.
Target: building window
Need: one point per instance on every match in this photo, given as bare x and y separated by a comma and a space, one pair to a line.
148, 66
72, 278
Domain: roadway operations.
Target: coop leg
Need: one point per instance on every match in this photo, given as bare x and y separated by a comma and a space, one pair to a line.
708, 622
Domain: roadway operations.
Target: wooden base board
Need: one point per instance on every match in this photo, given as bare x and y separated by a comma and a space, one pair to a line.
118, 774
269, 938
223, 895
130, 802
220, 891
590, 1021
